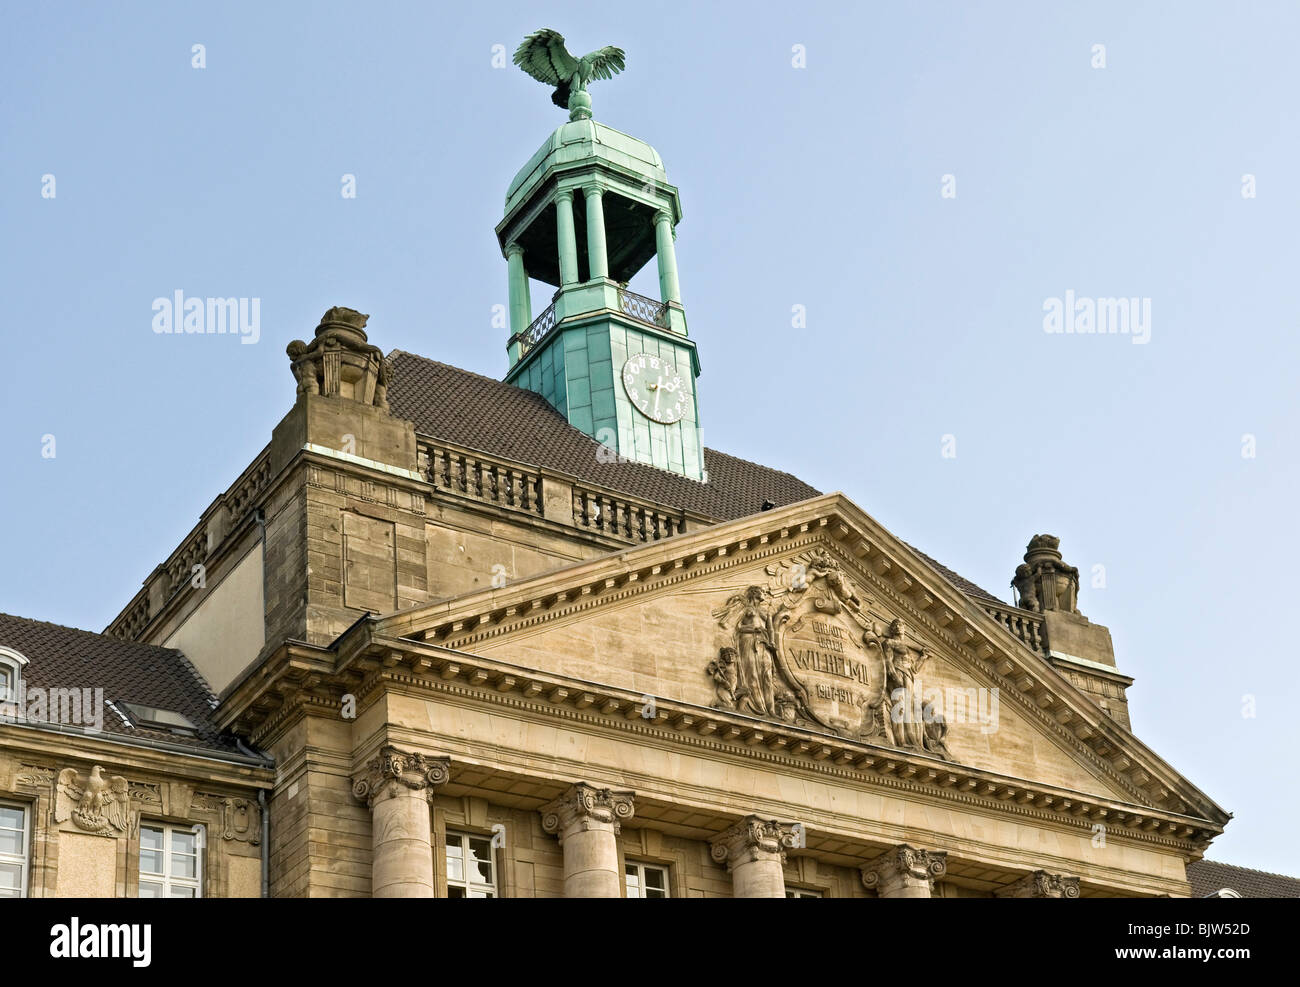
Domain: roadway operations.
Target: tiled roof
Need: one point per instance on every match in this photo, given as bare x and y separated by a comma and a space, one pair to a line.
1209, 876
64, 657
494, 417
960, 581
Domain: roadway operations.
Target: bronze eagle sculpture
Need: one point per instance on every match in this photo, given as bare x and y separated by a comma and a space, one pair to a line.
543, 56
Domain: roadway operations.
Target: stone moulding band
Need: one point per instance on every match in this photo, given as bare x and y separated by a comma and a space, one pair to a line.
345, 457
764, 741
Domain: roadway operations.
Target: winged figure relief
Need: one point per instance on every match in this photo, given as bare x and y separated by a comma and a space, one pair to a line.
543, 56
99, 804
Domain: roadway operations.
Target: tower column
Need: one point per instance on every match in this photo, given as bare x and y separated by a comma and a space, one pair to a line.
521, 306
597, 258
669, 290
754, 852
566, 237
585, 819
397, 785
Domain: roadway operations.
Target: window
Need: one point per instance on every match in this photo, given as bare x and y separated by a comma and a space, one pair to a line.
153, 718
471, 870
802, 893
11, 666
13, 851
170, 862
646, 880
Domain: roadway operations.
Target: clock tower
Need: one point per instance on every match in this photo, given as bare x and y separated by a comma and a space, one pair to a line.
589, 210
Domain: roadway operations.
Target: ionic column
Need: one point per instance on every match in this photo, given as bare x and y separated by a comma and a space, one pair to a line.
1040, 884
754, 852
397, 786
566, 237
905, 872
669, 290
597, 258
521, 312
585, 819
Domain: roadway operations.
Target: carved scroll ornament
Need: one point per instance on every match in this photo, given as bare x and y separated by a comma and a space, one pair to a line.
391, 772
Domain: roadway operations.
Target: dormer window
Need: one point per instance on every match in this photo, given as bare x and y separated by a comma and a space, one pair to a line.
153, 718
11, 666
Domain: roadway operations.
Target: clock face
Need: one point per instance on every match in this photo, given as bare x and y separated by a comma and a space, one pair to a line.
655, 388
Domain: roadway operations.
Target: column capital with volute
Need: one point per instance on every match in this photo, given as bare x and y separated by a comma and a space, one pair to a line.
905, 872
752, 839
585, 807
392, 773
1041, 884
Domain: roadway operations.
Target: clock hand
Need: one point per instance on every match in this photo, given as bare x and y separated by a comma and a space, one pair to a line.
657, 387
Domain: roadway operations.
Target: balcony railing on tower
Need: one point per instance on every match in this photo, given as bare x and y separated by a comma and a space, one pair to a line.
643, 309
538, 330
639, 307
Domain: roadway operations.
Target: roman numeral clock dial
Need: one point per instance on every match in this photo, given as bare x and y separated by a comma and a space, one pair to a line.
655, 388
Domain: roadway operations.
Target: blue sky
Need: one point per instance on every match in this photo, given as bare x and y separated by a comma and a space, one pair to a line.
817, 186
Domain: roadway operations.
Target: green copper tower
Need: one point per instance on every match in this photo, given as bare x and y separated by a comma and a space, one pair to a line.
585, 214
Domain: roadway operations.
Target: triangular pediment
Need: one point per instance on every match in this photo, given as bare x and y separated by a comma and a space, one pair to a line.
815, 619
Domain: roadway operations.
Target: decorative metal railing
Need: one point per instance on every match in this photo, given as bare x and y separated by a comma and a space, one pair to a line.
639, 307
1024, 624
643, 309
536, 331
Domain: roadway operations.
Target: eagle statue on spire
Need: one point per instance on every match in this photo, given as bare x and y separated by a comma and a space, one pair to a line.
543, 56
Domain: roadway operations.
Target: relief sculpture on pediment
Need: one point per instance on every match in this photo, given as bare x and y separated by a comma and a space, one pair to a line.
805, 648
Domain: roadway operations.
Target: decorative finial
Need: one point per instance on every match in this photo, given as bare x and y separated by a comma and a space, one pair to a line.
1044, 582
340, 361
543, 56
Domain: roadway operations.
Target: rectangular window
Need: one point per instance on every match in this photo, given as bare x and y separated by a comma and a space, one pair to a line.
802, 893
471, 869
13, 851
170, 862
646, 880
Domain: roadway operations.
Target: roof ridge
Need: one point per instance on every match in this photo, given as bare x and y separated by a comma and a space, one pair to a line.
1253, 870
461, 370
770, 469
82, 630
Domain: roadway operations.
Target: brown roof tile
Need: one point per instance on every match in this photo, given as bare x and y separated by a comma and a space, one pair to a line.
1209, 876
65, 657
497, 418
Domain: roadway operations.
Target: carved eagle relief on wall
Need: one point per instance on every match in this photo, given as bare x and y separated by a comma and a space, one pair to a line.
100, 805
